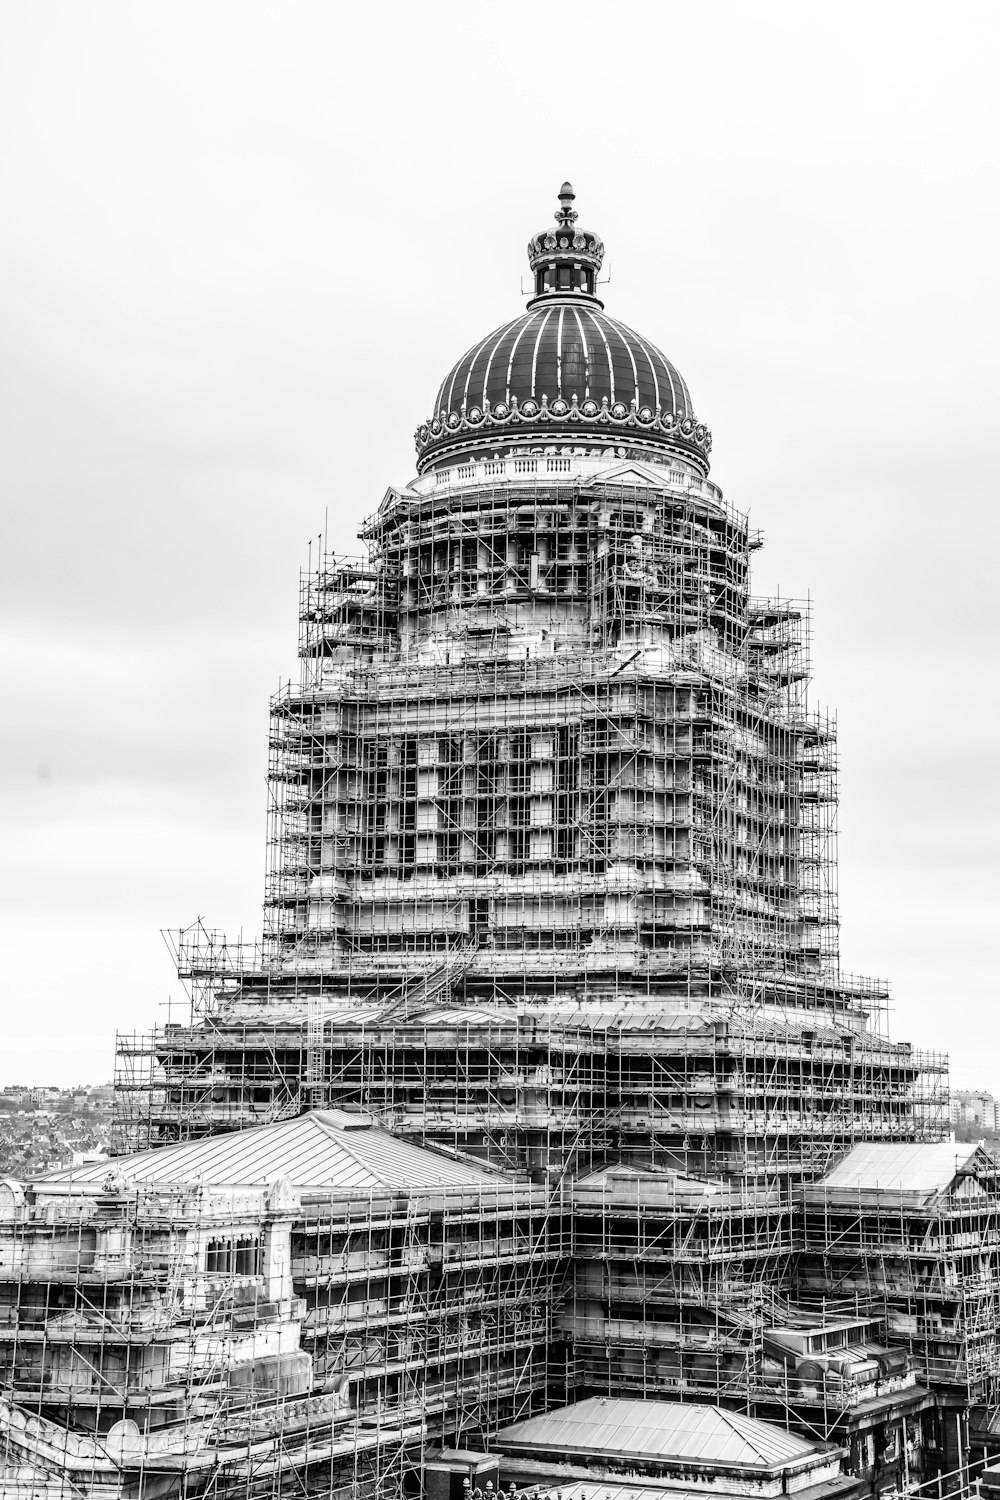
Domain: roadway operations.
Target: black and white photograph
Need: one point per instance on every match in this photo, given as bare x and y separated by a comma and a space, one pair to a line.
501, 739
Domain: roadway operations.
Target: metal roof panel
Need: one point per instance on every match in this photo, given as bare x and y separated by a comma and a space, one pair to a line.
324, 1149
660, 1429
909, 1167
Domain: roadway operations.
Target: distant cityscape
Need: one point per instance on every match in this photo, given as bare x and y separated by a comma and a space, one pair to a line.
42, 1127
975, 1115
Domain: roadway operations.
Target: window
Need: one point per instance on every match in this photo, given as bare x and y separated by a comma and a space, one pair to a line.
247, 1257
217, 1257
239, 1256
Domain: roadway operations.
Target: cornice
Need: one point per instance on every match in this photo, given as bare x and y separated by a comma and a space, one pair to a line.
575, 417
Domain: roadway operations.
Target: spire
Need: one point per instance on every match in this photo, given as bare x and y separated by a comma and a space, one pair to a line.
565, 260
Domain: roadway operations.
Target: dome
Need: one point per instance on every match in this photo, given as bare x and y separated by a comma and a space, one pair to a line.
564, 370
565, 350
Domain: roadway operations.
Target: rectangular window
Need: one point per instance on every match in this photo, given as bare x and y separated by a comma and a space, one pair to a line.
229, 1257
218, 1257
247, 1257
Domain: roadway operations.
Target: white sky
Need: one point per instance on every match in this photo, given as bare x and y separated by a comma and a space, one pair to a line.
242, 243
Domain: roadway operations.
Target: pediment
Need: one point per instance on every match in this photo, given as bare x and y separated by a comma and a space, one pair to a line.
628, 473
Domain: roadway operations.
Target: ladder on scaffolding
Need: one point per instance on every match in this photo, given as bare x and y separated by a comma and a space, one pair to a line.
433, 987
313, 1088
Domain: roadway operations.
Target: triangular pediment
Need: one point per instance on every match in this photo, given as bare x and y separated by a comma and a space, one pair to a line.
627, 473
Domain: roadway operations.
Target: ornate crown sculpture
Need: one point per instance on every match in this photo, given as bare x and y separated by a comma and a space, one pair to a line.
565, 246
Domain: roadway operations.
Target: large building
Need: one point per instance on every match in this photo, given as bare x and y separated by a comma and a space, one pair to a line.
553, 898
971, 1112
554, 864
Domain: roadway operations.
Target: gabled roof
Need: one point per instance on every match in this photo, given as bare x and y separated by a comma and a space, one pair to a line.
921, 1169
325, 1149
681, 1430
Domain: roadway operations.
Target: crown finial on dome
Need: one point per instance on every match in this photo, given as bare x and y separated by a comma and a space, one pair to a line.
565, 259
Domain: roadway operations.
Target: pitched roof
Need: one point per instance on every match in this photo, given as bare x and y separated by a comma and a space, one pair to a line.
915, 1167
663, 1430
324, 1149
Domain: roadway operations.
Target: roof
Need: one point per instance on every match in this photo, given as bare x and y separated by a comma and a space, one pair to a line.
666, 1186
916, 1167
606, 1488
632, 1489
580, 1018
570, 351
667, 1176
325, 1149
560, 368
660, 1430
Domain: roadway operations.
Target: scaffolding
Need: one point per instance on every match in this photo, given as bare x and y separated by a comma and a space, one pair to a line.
186, 1341
925, 1260
552, 884
540, 1091
550, 776
478, 708
673, 1281
687, 1289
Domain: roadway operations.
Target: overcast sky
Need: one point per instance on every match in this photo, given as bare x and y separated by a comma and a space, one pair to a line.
242, 243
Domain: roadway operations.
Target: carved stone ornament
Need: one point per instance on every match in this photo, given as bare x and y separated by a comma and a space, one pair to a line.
448, 425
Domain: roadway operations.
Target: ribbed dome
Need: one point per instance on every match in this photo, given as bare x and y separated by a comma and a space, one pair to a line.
568, 351
563, 374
